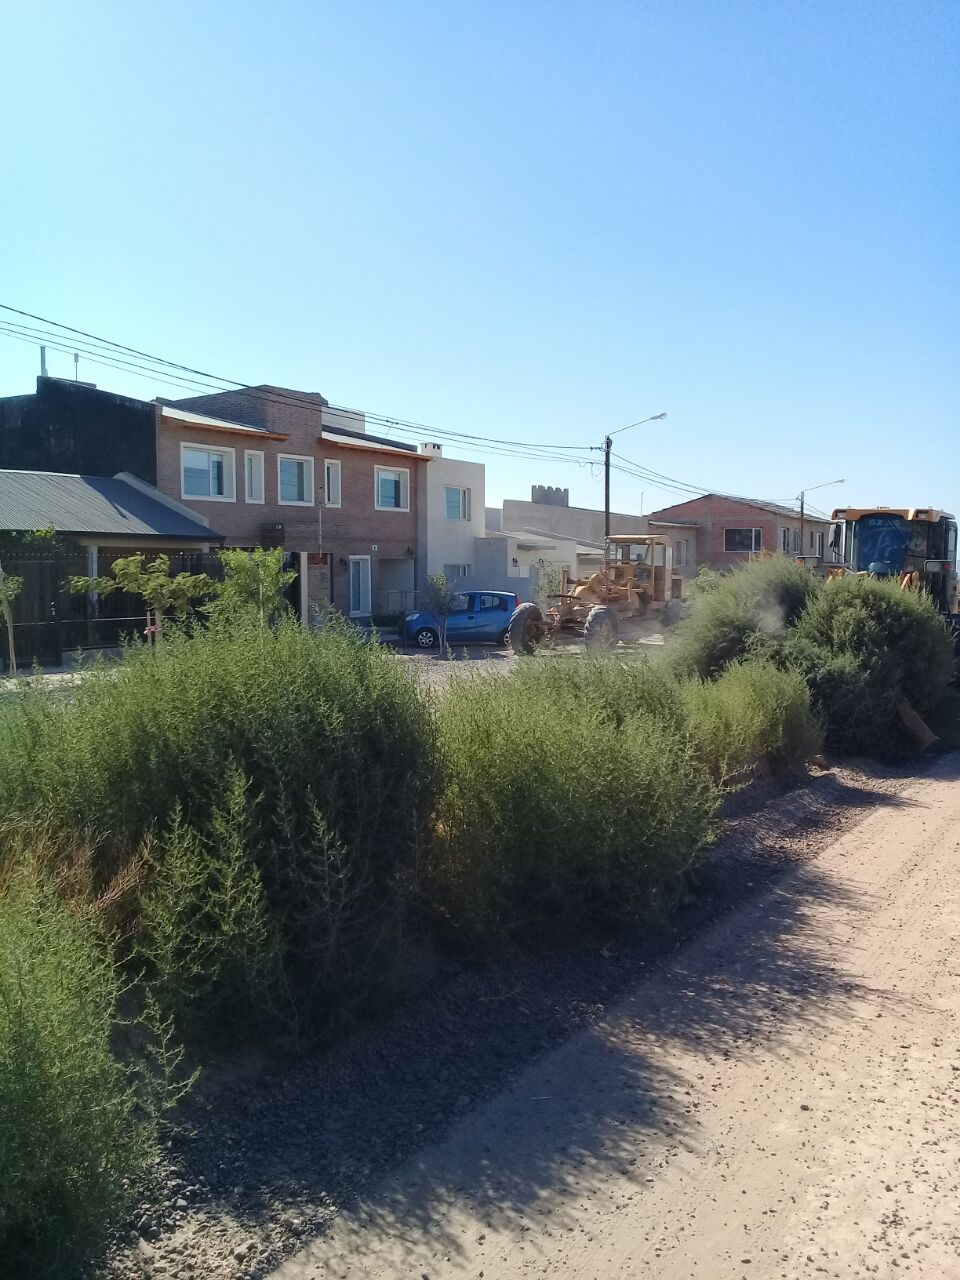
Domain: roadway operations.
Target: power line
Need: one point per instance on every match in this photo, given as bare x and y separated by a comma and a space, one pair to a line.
105, 349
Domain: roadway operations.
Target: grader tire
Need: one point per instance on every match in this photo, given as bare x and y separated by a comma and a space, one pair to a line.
526, 628
600, 629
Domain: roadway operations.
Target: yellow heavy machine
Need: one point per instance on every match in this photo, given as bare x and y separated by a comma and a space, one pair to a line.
635, 580
915, 545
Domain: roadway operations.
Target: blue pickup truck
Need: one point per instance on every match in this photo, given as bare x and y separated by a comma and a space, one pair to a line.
475, 617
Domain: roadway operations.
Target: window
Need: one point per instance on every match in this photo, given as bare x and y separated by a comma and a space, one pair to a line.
295, 480
456, 572
743, 541
797, 544
785, 541
811, 539
460, 603
679, 553
493, 602
391, 489
457, 503
253, 476
207, 473
820, 545
331, 482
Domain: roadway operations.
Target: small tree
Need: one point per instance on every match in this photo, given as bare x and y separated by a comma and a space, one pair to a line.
253, 581
438, 597
550, 581
161, 594
10, 588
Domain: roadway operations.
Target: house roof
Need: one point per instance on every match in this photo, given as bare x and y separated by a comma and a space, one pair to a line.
760, 504
190, 419
363, 440
105, 505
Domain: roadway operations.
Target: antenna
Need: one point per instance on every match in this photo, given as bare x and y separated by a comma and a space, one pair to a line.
43, 362
76, 366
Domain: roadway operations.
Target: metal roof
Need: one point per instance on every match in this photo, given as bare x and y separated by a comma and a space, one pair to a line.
104, 505
365, 440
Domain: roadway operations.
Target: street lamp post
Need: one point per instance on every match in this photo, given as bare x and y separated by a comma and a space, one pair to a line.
803, 495
607, 447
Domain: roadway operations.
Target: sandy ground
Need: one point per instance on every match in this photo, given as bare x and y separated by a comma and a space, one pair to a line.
781, 1100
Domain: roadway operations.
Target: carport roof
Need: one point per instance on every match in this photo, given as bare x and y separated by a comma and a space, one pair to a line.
108, 506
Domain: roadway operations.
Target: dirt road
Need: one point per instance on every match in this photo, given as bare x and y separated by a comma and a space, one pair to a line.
782, 1100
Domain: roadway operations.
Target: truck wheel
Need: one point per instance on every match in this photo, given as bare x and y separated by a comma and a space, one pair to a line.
526, 628
600, 628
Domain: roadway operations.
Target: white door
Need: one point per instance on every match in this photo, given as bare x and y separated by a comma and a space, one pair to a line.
359, 586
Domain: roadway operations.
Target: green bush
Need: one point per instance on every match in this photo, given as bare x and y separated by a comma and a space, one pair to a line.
335, 751
551, 816
74, 1128
754, 713
747, 612
863, 646
206, 930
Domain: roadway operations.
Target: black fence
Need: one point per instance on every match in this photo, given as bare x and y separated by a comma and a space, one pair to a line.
51, 623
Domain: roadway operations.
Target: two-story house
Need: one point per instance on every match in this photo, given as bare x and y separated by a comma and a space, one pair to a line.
369, 488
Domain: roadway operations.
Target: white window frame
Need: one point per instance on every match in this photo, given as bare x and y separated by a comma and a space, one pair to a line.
456, 577
229, 473
680, 553
308, 465
334, 465
757, 539
247, 455
464, 502
404, 485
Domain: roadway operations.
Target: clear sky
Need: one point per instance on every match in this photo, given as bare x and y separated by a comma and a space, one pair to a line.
532, 219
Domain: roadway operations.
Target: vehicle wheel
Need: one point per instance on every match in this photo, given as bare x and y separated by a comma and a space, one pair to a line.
503, 639
426, 638
600, 628
672, 613
526, 628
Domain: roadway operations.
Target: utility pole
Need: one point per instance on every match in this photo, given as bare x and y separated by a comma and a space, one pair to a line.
607, 446
607, 449
802, 500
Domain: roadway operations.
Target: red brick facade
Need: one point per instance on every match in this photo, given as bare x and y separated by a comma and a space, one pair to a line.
712, 516
356, 527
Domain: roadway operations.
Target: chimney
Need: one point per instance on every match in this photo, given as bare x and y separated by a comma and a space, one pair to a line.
432, 450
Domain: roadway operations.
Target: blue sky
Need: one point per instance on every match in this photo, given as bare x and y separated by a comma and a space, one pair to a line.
514, 218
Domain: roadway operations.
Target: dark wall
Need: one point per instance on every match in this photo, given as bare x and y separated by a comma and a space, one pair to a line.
68, 427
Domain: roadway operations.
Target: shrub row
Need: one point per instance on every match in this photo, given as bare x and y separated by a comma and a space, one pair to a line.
862, 645
247, 822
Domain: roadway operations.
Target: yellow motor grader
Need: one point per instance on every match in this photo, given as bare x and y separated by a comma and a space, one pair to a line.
635, 580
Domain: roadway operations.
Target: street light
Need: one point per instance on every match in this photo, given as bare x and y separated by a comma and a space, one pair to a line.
802, 498
607, 446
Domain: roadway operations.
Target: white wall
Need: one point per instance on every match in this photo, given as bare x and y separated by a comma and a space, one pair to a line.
346, 421
444, 541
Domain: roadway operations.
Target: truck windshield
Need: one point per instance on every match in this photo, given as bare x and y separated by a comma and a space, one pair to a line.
880, 543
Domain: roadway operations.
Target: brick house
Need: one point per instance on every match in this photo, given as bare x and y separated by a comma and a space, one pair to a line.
368, 487
720, 532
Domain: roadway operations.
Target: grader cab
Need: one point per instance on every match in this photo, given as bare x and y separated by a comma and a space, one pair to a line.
635, 580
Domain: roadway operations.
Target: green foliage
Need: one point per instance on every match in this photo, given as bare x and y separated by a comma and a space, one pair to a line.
76, 1126
162, 593
336, 752
748, 611
210, 945
549, 585
10, 588
253, 581
753, 713
551, 817
863, 646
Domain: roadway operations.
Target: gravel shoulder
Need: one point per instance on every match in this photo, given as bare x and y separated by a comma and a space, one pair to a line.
505, 1119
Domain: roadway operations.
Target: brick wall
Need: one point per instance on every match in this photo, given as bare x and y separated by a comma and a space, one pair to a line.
356, 526
240, 522
352, 529
714, 514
